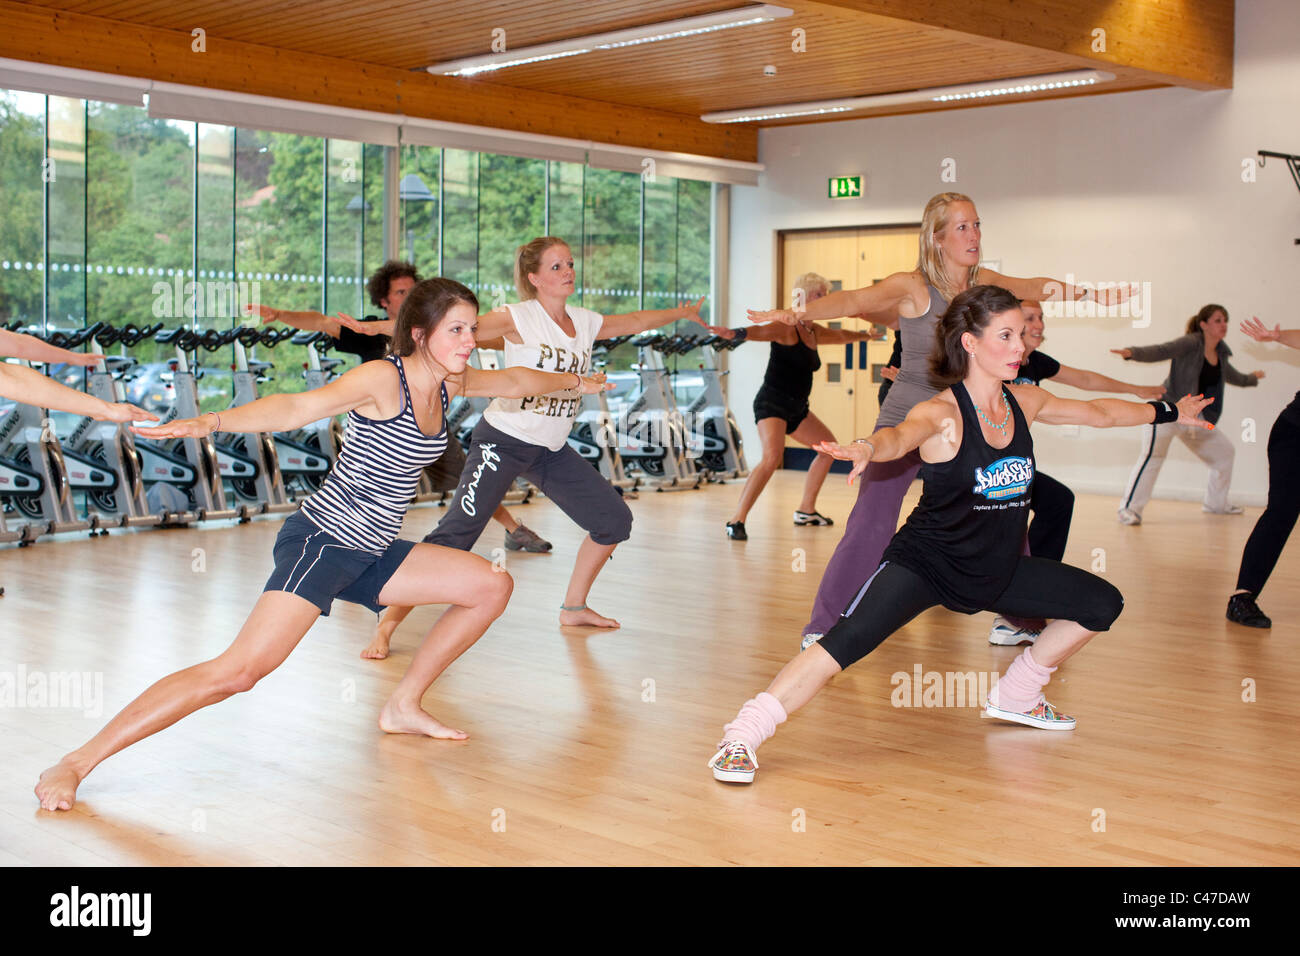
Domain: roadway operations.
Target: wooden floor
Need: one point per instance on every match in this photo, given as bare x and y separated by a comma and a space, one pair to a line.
591, 747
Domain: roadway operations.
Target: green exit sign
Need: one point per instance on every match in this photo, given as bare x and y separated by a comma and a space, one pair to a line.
845, 187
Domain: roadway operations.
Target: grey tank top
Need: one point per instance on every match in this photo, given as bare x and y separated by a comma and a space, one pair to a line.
913, 384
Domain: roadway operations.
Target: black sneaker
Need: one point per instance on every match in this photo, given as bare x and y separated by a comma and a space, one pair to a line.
1242, 609
736, 531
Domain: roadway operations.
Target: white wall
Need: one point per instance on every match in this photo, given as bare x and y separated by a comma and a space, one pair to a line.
1133, 186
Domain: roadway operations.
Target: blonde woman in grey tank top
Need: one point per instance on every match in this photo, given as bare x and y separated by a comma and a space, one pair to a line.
948, 263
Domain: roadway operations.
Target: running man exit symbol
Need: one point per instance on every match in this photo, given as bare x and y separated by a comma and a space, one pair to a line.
845, 187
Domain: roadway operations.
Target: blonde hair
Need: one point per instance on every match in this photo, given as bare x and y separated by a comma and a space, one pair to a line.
528, 258
930, 258
812, 282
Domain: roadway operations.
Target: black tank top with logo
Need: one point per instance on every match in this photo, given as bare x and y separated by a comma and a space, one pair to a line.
790, 371
966, 535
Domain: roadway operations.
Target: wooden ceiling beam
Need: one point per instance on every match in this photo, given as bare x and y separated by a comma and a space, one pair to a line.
1180, 42
43, 35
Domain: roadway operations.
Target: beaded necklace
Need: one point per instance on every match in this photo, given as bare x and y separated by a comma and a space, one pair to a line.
1005, 418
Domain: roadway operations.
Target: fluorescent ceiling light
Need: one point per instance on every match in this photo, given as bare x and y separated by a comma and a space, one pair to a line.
652, 33
938, 94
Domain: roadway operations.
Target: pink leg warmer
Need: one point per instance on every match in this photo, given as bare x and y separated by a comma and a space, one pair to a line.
756, 721
1021, 688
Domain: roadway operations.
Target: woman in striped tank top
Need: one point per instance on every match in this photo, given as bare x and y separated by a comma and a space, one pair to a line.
343, 543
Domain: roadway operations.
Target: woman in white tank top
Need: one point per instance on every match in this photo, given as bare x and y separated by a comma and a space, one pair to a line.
529, 435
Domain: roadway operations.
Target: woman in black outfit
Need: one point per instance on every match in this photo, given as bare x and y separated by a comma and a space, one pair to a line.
781, 405
961, 547
1266, 542
1053, 502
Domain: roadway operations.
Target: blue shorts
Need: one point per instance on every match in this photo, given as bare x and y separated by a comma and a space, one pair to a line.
318, 567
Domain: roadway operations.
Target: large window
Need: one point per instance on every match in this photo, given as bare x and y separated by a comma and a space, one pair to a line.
23, 172
112, 215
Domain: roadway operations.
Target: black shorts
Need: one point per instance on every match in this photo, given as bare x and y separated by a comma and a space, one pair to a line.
318, 567
769, 404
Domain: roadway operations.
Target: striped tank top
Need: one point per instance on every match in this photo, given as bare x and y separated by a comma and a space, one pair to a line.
364, 497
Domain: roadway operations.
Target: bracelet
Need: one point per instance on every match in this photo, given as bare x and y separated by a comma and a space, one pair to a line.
1164, 412
867, 442
218, 428
579, 378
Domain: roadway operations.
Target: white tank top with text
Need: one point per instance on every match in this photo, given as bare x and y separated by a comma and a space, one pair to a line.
545, 419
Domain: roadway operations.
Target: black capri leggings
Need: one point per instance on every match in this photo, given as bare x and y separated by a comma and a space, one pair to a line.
1039, 588
1053, 507
1274, 526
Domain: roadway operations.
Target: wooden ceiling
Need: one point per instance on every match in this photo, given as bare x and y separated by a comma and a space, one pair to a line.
369, 55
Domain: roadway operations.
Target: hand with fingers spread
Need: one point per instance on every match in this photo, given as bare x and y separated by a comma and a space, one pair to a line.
1258, 331
859, 452
1189, 408
692, 312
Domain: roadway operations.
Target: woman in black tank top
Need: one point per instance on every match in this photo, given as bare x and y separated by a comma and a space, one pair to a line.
781, 405
961, 547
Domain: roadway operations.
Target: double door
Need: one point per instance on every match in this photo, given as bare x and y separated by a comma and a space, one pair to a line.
846, 386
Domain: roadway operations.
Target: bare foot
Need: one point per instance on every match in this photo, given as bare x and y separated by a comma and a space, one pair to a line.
394, 719
586, 618
377, 650
57, 787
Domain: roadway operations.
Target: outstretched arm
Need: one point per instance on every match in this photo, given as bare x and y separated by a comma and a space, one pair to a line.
307, 321
1044, 289
23, 346
828, 336
373, 327
1096, 382
32, 388
1041, 405
630, 323
887, 295
927, 420
519, 382
286, 411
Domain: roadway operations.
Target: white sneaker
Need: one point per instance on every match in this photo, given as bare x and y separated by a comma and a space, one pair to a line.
1043, 716
1129, 517
1230, 510
1006, 634
811, 517
808, 640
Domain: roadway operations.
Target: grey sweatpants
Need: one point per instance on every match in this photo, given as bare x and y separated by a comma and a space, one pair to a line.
495, 460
